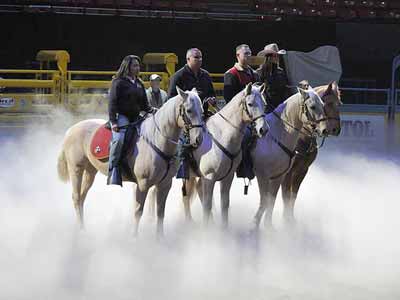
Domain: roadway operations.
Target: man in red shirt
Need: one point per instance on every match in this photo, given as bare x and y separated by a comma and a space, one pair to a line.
237, 77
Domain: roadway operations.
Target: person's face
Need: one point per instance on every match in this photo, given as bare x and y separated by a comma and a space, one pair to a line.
195, 60
155, 84
243, 55
274, 58
134, 68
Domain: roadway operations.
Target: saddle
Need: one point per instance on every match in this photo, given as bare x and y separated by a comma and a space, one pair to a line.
100, 145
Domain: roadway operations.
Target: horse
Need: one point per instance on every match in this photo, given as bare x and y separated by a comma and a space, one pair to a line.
307, 150
273, 154
151, 159
218, 157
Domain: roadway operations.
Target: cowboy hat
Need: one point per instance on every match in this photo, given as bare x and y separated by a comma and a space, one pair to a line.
270, 49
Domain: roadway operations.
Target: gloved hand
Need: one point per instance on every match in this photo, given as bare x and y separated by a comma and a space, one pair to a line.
142, 114
153, 110
211, 101
115, 128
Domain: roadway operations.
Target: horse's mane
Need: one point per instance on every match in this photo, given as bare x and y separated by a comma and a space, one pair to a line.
233, 101
148, 128
167, 110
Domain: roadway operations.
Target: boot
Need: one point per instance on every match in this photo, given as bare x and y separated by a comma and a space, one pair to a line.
114, 170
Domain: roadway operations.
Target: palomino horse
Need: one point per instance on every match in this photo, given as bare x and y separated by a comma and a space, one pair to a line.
306, 150
151, 160
218, 157
274, 153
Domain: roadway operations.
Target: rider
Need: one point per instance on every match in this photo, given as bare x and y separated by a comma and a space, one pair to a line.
273, 76
127, 102
237, 77
235, 80
193, 76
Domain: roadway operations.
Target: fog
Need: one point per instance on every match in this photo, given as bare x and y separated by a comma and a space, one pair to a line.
345, 245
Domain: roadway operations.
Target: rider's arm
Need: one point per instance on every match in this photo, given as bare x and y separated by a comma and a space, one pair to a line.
113, 102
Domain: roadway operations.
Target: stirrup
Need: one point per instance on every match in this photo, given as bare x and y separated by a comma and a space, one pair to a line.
246, 186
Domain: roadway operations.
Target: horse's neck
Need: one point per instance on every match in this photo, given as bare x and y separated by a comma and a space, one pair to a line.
164, 131
228, 126
287, 129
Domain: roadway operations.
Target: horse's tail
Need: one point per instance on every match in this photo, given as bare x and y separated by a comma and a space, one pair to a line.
62, 167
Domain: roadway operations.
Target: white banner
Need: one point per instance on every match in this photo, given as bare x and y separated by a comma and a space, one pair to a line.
362, 130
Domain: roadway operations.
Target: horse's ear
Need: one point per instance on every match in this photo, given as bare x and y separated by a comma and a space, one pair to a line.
181, 93
304, 94
328, 90
248, 89
335, 87
194, 90
262, 89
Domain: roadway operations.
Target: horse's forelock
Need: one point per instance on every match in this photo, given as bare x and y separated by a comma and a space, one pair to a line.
311, 92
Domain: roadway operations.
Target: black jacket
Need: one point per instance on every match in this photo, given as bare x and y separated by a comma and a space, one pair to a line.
277, 87
186, 80
127, 98
236, 79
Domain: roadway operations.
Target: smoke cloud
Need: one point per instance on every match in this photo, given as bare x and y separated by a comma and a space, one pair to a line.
345, 245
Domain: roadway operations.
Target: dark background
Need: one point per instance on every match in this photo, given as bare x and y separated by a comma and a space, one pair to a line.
100, 42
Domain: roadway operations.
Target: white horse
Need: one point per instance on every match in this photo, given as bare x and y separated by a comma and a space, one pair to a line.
152, 159
274, 153
218, 157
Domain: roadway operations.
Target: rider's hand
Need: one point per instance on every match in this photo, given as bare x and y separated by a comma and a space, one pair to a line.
212, 101
115, 128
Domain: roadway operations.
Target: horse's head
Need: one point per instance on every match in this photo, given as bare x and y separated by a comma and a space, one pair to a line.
330, 94
253, 108
313, 113
190, 116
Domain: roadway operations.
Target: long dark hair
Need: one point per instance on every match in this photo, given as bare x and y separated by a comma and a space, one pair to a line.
267, 67
124, 68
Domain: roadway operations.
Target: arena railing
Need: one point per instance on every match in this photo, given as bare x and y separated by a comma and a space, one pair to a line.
29, 91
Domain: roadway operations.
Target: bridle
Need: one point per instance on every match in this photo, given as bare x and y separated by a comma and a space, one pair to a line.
187, 125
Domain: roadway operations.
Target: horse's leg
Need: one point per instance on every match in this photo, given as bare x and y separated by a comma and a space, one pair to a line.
89, 175
161, 192
75, 173
151, 203
286, 188
273, 188
207, 187
225, 186
187, 200
140, 198
263, 189
292, 184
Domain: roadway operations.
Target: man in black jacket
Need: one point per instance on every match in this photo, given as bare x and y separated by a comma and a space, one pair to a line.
193, 76
127, 100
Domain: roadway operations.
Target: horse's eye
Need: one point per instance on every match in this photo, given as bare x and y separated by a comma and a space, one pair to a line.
313, 107
250, 104
189, 111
